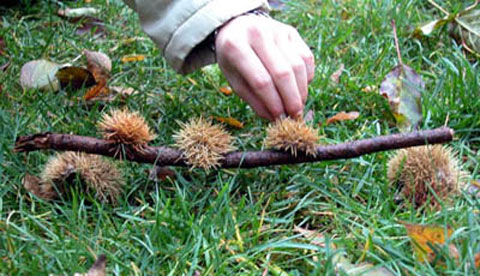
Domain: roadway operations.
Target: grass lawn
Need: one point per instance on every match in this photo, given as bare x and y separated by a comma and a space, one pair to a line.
236, 222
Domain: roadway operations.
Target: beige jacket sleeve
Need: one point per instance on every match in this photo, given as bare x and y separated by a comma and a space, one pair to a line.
179, 26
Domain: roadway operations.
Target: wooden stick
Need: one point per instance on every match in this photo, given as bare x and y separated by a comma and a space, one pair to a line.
165, 156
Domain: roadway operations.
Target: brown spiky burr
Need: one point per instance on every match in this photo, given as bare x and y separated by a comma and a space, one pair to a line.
97, 175
292, 135
424, 171
202, 143
126, 127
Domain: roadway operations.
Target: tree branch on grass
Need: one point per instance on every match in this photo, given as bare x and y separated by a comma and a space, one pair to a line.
165, 156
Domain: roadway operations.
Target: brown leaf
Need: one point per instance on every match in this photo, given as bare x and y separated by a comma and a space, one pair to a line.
2, 46
4, 67
159, 173
230, 121
424, 237
100, 89
335, 77
477, 260
89, 24
308, 116
100, 65
343, 116
133, 58
98, 268
75, 77
227, 90
315, 237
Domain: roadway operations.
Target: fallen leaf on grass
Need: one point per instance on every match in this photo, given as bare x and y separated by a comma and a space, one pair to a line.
75, 77
230, 121
430, 27
133, 58
343, 265
100, 65
4, 67
424, 237
227, 90
40, 74
78, 12
335, 77
314, 237
343, 116
124, 91
467, 30
403, 89
159, 173
308, 116
98, 268
2, 46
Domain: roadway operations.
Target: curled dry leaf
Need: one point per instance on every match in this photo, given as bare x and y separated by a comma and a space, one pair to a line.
98, 268
75, 77
133, 58
314, 237
467, 30
4, 67
343, 116
100, 65
40, 74
2, 46
335, 77
78, 12
226, 90
403, 89
159, 173
424, 237
230, 121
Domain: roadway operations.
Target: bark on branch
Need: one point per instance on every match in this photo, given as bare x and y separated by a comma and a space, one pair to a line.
164, 156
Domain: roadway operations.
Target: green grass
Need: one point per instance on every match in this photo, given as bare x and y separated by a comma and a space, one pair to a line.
235, 222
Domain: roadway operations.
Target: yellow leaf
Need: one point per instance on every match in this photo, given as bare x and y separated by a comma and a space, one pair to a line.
424, 237
133, 58
343, 116
230, 121
227, 90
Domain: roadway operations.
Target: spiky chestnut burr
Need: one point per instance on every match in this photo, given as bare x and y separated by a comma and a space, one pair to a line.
292, 135
97, 175
202, 143
421, 170
126, 127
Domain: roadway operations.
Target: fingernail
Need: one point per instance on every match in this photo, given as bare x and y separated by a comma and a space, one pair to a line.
299, 115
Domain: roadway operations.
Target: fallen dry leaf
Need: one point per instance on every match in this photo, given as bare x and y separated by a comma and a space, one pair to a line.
89, 24
343, 116
227, 90
98, 268
78, 12
308, 116
124, 91
133, 58
75, 77
4, 67
230, 121
40, 74
424, 237
100, 65
159, 173
2, 46
314, 237
335, 77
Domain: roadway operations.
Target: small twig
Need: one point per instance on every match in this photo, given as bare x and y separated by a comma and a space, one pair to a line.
164, 156
397, 45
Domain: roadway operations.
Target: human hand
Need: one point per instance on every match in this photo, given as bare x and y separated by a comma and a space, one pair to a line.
267, 64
